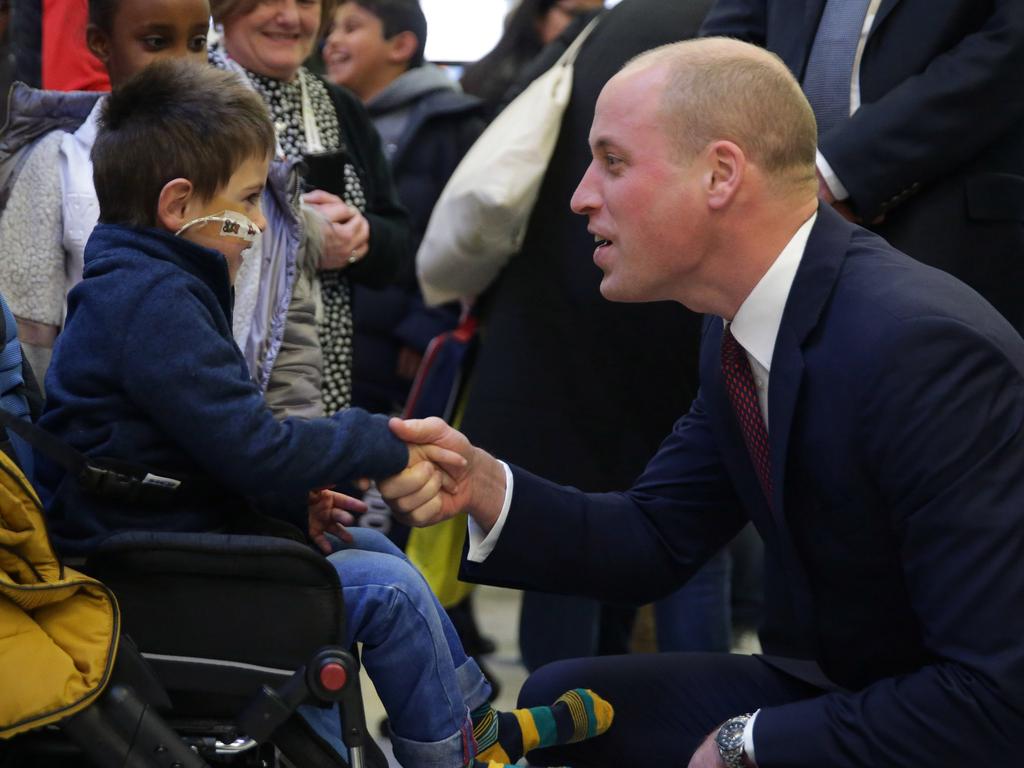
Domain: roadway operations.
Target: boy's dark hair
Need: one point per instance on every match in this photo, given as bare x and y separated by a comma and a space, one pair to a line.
174, 119
399, 16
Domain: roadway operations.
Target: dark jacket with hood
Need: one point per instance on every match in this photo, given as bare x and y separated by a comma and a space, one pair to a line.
426, 124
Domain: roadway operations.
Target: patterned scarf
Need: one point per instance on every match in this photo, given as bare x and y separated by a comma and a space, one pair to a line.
284, 100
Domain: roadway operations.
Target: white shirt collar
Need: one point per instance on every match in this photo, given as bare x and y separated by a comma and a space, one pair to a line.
757, 321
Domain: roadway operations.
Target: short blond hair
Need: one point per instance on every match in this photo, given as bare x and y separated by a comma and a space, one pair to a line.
718, 88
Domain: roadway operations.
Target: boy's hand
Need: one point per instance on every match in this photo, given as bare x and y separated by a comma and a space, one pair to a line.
432, 468
330, 512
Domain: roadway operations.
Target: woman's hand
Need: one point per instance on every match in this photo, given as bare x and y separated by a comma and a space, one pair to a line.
346, 232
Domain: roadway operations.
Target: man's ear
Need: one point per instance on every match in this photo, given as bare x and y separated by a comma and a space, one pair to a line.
98, 42
724, 173
172, 207
403, 47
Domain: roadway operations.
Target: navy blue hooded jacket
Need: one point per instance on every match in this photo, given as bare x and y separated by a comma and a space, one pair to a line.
146, 371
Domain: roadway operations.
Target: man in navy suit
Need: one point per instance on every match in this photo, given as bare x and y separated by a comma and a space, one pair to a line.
920, 107
863, 410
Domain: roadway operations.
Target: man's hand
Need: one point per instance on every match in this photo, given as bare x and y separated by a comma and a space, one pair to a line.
824, 192
707, 754
446, 475
346, 232
844, 209
330, 512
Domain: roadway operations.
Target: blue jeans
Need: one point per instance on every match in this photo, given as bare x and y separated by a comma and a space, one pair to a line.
411, 652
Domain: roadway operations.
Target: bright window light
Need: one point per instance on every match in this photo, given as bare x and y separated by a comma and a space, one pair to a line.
462, 30
465, 30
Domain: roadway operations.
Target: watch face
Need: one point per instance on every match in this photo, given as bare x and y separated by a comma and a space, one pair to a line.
730, 735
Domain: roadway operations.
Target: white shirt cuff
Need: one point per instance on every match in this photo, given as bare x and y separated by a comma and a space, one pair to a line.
835, 186
482, 544
748, 738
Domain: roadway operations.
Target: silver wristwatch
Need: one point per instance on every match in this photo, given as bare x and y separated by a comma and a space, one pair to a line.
730, 742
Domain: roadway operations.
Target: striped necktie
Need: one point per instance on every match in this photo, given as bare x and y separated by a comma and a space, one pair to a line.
830, 64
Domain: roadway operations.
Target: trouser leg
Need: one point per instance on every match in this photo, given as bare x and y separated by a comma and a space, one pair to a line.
665, 704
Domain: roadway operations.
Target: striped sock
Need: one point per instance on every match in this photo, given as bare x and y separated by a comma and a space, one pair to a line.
506, 736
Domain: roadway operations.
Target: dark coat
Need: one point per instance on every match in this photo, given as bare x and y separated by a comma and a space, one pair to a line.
895, 536
146, 371
568, 384
938, 144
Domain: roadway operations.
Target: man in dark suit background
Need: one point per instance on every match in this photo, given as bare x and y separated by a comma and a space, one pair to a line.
866, 412
920, 107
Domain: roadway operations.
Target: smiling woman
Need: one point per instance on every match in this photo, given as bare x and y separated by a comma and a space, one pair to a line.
272, 38
365, 234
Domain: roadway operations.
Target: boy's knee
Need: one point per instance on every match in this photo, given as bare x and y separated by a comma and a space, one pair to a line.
372, 540
360, 568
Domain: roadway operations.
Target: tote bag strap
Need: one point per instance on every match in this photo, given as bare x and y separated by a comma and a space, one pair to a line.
569, 57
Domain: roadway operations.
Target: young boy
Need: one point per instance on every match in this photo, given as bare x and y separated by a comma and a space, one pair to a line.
375, 49
146, 375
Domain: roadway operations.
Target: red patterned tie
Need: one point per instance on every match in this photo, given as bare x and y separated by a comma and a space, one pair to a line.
739, 383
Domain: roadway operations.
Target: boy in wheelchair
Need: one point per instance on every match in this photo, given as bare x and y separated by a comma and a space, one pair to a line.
147, 381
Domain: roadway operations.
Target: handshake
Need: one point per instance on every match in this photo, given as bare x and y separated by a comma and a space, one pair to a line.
445, 475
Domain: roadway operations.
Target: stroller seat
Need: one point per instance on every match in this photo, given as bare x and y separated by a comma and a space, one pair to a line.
232, 633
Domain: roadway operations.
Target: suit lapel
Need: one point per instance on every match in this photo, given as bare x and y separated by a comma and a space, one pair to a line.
783, 391
812, 286
883, 12
811, 289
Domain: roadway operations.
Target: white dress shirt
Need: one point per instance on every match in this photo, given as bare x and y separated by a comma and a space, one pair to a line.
756, 323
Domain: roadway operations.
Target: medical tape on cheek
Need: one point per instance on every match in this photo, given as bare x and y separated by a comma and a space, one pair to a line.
233, 224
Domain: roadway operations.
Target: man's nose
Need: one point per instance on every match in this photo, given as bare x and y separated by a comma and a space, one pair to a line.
585, 198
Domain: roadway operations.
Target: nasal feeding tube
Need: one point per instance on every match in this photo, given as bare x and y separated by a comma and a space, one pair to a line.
233, 224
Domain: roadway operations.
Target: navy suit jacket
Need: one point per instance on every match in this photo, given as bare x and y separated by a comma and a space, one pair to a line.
938, 143
895, 538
